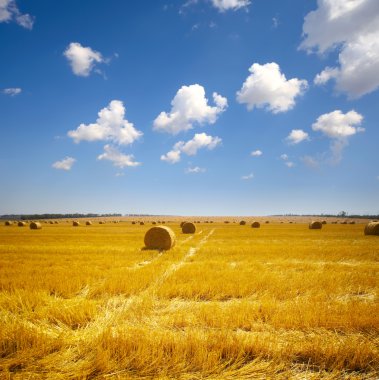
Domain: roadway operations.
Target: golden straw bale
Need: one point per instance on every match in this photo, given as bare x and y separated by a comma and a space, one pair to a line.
188, 228
315, 225
88, 223
75, 223
255, 224
242, 223
372, 228
21, 224
141, 223
352, 222
323, 222
35, 226
8, 223
160, 237
181, 224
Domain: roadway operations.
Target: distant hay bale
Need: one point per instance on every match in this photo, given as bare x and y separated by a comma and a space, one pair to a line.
21, 224
75, 223
35, 226
352, 222
188, 228
323, 222
315, 225
255, 224
226, 221
372, 228
51, 222
8, 223
56, 222
154, 223
133, 222
267, 222
242, 223
163, 222
141, 223
160, 237
181, 224
344, 222
334, 222
88, 223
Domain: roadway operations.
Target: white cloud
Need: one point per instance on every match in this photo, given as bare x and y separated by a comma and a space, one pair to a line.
12, 91
200, 140
82, 59
247, 177
195, 169
290, 164
9, 11
352, 28
118, 158
189, 107
65, 164
284, 157
110, 126
338, 127
225, 5
267, 87
256, 153
311, 162
297, 136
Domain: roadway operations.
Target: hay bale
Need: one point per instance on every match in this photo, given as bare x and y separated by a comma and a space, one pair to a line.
267, 222
133, 222
344, 222
181, 224
35, 226
226, 221
188, 228
160, 237
255, 224
372, 228
315, 225
8, 223
153, 222
352, 222
21, 224
75, 223
141, 223
323, 222
56, 222
242, 223
88, 223
51, 222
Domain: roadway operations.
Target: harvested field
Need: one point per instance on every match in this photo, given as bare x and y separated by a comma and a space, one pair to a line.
277, 302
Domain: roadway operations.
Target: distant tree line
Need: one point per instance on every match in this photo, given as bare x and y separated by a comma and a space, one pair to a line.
54, 216
342, 214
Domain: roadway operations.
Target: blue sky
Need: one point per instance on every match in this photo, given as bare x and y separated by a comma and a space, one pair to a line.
207, 107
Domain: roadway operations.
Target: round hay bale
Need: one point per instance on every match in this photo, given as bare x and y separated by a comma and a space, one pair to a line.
88, 223
141, 223
344, 222
160, 237
372, 228
315, 225
352, 222
56, 222
242, 223
181, 224
75, 223
51, 222
226, 221
8, 223
255, 224
188, 228
21, 224
323, 222
35, 226
267, 222
133, 222
153, 222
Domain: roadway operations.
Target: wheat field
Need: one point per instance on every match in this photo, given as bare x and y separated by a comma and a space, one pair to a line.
229, 302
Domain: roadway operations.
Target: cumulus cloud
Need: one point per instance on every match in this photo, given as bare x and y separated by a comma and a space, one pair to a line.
10, 12
190, 148
225, 5
248, 176
82, 59
256, 153
195, 169
190, 107
267, 87
13, 91
351, 27
289, 164
118, 158
65, 164
110, 126
297, 136
338, 127
284, 157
